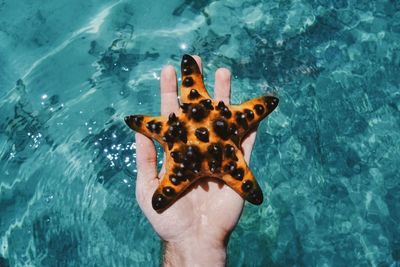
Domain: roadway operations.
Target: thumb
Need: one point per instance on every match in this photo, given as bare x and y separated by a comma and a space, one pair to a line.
146, 162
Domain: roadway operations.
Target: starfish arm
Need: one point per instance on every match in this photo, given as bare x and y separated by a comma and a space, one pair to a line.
192, 88
150, 126
172, 186
257, 109
239, 177
248, 115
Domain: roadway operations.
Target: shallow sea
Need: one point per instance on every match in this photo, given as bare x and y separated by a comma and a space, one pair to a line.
327, 159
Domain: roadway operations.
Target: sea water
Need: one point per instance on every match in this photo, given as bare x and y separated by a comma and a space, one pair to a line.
327, 158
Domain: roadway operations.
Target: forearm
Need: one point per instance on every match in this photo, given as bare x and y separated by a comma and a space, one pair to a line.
194, 253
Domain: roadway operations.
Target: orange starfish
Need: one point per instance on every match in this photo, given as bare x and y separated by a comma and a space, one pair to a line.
203, 139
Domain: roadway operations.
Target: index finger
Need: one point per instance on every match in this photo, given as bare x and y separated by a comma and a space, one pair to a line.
222, 85
169, 95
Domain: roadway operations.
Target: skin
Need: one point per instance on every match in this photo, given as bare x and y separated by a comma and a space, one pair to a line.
195, 229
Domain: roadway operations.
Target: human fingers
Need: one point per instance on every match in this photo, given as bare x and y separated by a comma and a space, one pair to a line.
222, 87
169, 95
146, 163
222, 92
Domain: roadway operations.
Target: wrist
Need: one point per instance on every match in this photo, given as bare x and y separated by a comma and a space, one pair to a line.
194, 252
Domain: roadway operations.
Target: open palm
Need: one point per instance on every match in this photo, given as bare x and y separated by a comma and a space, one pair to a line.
209, 210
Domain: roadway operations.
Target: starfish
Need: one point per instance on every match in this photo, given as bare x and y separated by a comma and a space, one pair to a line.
203, 139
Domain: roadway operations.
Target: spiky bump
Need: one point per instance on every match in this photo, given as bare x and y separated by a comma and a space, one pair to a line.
203, 139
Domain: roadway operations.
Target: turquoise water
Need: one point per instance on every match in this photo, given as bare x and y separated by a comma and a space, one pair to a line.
327, 159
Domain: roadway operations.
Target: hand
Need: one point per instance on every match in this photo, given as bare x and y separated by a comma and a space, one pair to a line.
195, 228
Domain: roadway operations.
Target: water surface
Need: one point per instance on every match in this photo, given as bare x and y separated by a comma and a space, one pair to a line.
327, 159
